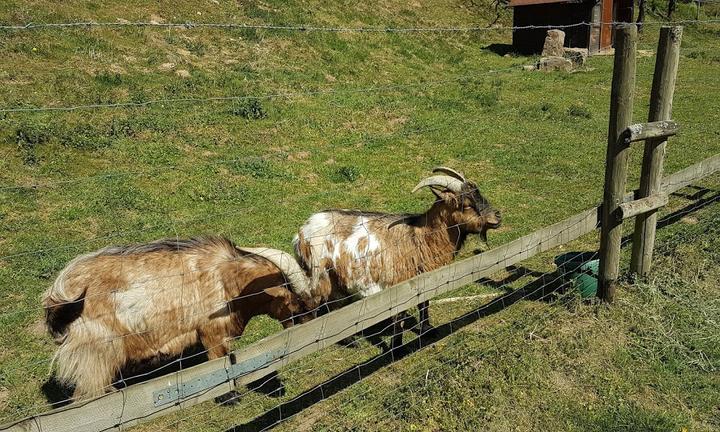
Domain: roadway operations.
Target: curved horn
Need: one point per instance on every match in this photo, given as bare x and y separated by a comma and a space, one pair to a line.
447, 182
287, 264
451, 172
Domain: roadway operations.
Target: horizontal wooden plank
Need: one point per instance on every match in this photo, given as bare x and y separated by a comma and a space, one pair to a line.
633, 208
643, 131
686, 176
135, 403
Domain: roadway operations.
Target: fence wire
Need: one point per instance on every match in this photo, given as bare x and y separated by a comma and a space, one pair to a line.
314, 28
375, 337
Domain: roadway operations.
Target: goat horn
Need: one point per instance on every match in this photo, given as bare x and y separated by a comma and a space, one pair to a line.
451, 172
287, 265
447, 182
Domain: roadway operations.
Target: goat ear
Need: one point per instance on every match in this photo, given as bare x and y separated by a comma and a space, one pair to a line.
277, 292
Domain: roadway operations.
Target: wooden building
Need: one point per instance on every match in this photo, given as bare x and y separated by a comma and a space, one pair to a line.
586, 23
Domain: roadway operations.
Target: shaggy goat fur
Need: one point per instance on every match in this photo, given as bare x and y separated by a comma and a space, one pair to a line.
364, 253
123, 305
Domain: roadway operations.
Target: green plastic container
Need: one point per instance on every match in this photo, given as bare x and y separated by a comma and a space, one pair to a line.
580, 268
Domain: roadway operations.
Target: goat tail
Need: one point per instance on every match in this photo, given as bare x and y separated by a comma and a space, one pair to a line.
63, 301
88, 359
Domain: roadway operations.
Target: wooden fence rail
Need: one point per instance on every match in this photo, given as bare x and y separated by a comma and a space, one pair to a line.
141, 402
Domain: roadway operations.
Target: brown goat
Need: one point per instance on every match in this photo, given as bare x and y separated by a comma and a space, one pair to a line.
362, 253
123, 305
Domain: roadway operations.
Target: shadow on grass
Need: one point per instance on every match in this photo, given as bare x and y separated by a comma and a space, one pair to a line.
701, 198
539, 289
516, 273
499, 48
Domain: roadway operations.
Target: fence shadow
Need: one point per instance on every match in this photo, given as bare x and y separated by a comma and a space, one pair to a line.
539, 289
699, 200
515, 273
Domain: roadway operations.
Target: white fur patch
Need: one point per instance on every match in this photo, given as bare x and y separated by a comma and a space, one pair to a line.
316, 226
320, 229
373, 243
359, 233
132, 306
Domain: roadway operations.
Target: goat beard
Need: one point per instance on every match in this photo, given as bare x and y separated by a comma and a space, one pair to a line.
483, 236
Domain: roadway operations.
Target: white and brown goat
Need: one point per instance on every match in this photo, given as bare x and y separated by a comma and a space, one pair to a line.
123, 305
362, 253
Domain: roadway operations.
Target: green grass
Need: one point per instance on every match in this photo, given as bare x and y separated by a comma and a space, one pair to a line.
254, 169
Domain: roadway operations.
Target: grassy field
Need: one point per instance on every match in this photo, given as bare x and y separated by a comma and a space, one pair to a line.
349, 120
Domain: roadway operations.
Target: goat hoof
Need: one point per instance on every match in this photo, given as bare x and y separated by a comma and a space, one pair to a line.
228, 399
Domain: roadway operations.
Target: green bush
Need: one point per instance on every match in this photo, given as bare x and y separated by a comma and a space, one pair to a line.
250, 109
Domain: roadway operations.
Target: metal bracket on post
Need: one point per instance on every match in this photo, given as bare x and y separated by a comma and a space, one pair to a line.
175, 392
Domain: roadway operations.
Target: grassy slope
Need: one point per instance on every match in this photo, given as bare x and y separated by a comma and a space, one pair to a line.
534, 142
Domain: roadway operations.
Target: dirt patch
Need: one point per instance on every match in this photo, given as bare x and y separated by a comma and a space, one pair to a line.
397, 121
299, 156
37, 328
156, 19
4, 398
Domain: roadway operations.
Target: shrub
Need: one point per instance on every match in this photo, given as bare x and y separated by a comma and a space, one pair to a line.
578, 111
250, 109
345, 174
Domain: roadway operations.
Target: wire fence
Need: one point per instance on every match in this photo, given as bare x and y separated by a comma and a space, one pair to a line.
311, 28
177, 285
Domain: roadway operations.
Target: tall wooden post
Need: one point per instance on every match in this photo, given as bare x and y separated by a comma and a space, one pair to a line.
663, 87
621, 106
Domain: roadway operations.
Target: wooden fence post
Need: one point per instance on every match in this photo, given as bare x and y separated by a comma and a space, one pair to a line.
621, 106
661, 97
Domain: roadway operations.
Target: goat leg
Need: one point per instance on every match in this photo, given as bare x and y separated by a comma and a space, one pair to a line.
425, 325
397, 338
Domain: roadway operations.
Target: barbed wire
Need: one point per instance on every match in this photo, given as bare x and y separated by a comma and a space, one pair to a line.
330, 29
372, 89
180, 100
